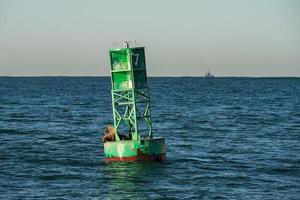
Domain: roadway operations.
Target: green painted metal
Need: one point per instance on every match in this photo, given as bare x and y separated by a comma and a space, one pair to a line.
130, 93
124, 148
149, 148
131, 107
128, 68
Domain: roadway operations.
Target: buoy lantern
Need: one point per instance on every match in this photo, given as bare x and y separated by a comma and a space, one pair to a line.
131, 137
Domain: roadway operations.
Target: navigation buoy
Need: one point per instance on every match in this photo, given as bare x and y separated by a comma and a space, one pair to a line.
131, 110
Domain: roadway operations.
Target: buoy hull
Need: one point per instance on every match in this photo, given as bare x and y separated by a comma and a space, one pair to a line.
135, 150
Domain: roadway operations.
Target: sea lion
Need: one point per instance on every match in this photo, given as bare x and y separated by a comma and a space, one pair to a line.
109, 134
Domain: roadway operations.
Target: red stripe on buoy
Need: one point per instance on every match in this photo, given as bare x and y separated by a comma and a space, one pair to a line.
160, 157
122, 159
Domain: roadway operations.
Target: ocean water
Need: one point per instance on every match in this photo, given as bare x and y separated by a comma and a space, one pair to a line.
227, 138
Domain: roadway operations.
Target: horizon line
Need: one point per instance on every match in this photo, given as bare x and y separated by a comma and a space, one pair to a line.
94, 76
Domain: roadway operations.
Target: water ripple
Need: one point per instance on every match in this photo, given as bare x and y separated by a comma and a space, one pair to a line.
227, 138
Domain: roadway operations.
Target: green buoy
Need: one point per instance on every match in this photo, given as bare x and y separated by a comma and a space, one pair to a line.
131, 109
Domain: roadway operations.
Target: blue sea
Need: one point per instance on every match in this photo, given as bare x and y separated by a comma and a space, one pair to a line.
227, 138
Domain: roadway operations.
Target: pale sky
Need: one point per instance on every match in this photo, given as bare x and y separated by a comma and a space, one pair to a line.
182, 38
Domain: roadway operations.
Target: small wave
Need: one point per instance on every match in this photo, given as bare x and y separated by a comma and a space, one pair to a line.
13, 131
59, 177
192, 159
284, 170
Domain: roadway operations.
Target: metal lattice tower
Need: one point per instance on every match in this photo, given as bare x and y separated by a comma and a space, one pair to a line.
130, 92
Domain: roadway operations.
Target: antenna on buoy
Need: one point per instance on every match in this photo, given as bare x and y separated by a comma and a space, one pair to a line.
126, 45
115, 44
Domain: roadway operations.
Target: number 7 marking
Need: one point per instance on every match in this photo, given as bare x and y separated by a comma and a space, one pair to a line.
136, 62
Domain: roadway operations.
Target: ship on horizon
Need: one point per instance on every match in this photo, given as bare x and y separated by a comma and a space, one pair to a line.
208, 75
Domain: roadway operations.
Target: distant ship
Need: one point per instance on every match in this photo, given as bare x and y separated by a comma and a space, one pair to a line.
208, 74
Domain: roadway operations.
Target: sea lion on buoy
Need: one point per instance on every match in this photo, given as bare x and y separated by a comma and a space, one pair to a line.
109, 134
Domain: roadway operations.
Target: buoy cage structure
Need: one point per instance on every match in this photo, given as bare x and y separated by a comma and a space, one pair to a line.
131, 109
